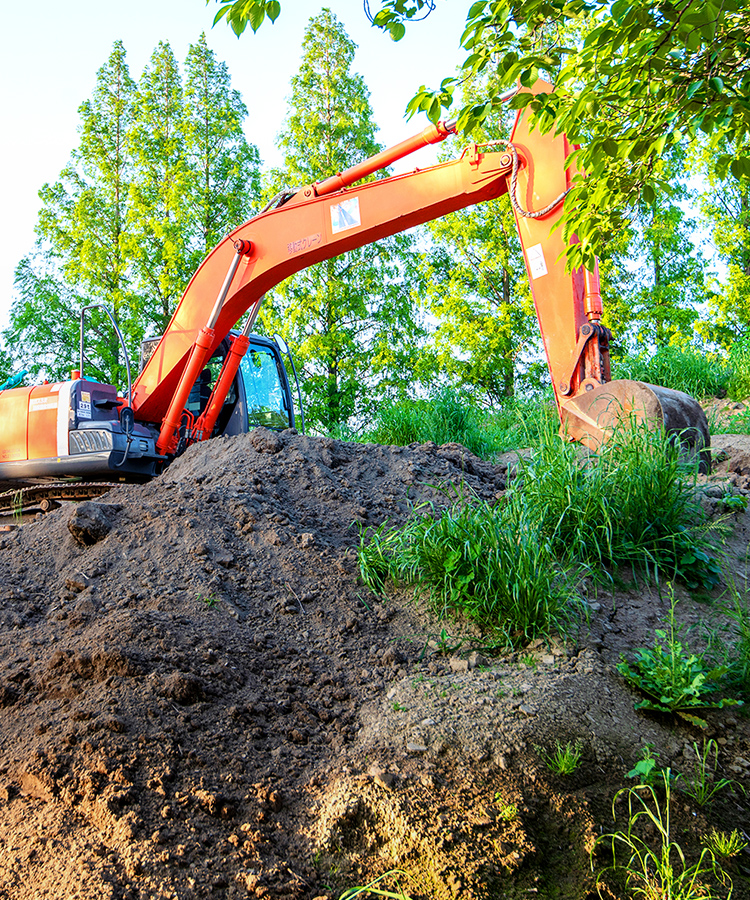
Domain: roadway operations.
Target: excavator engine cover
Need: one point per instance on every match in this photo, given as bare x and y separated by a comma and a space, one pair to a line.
593, 415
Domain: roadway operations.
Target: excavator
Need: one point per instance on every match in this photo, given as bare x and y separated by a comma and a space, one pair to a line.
81, 428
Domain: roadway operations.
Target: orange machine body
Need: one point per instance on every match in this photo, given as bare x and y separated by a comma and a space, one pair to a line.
30, 422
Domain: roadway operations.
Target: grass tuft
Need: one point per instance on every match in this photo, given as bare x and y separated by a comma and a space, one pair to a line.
564, 759
633, 503
486, 562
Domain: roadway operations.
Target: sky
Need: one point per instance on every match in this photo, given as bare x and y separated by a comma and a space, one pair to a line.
50, 51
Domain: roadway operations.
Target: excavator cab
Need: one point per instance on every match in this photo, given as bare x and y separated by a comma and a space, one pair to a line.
260, 394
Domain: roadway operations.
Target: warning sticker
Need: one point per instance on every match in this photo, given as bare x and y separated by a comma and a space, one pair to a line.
86, 396
536, 261
39, 403
345, 215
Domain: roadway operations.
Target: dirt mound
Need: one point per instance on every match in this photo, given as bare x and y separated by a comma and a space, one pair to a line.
198, 697
731, 457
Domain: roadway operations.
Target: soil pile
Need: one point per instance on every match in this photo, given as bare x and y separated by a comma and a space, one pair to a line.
198, 697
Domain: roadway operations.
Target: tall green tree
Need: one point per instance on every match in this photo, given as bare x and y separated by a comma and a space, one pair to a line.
477, 290
350, 318
81, 256
725, 208
158, 178
159, 217
654, 282
224, 184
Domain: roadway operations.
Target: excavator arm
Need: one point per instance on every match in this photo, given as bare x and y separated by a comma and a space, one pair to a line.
326, 219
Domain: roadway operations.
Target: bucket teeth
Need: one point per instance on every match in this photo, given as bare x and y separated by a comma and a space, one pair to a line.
592, 415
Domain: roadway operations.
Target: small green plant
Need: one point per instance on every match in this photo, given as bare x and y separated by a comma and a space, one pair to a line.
373, 888
398, 707
210, 600
733, 502
528, 659
674, 679
703, 786
736, 649
724, 844
445, 644
17, 511
645, 770
660, 872
563, 760
507, 811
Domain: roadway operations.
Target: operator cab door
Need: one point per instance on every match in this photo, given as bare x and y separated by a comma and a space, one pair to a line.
267, 393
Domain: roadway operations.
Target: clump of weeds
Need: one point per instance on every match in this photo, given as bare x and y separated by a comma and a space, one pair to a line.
486, 562
674, 679
703, 785
563, 759
657, 868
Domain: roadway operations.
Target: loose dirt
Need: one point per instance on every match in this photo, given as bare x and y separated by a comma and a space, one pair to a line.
199, 697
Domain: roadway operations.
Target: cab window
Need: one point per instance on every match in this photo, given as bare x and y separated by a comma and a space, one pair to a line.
263, 390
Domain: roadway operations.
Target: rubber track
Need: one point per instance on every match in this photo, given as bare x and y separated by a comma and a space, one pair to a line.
29, 497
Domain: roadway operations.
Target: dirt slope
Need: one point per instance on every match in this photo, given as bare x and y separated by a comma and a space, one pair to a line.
198, 697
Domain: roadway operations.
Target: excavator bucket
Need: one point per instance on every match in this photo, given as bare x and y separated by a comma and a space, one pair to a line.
593, 415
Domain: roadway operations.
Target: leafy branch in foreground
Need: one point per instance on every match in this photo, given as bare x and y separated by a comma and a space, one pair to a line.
674, 679
633, 79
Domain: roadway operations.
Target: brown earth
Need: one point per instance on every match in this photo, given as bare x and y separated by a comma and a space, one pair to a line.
198, 697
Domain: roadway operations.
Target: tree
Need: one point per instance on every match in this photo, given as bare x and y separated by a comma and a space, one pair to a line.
224, 169
350, 317
657, 272
81, 256
725, 207
159, 218
647, 76
477, 289
151, 186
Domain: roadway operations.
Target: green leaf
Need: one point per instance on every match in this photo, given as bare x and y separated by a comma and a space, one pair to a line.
717, 84
397, 30
273, 9
255, 15
694, 88
476, 9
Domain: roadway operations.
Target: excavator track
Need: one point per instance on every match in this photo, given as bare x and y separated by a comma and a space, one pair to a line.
48, 496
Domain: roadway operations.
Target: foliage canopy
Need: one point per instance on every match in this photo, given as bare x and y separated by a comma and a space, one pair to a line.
631, 79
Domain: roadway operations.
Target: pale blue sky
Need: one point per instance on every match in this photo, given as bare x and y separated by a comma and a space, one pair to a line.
50, 51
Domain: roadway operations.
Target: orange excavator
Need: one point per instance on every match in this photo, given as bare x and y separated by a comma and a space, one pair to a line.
86, 429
